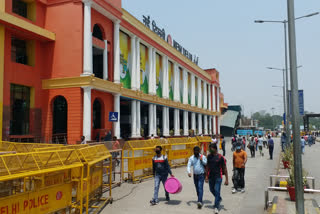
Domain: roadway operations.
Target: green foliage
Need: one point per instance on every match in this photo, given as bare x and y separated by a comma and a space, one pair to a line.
288, 154
291, 181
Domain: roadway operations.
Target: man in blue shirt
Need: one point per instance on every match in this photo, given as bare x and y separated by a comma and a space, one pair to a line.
271, 146
198, 161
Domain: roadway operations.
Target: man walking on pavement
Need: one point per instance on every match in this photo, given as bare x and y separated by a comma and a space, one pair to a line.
270, 146
198, 161
161, 169
216, 167
283, 141
239, 164
223, 146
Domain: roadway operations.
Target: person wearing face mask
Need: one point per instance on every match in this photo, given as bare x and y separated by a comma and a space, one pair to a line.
198, 161
239, 163
161, 169
216, 167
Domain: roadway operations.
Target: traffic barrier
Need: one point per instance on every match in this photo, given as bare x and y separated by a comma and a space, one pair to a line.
204, 143
24, 147
137, 158
37, 182
63, 178
180, 150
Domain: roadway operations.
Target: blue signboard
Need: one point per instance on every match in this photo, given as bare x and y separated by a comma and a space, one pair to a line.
300, 100
261, 133
113, 116
244, 132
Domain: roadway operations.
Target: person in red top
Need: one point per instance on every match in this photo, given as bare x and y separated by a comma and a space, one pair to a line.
216, 167
115, 146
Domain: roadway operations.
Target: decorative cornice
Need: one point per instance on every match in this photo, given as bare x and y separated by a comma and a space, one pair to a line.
114, 88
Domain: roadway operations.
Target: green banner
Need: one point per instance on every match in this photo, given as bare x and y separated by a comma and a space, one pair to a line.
144, 69
159, 75
125, 57
171, 79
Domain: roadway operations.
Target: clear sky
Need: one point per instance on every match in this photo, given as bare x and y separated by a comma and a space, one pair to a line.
224, 36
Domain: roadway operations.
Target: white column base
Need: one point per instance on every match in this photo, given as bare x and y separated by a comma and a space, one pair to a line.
116, 108
176, 123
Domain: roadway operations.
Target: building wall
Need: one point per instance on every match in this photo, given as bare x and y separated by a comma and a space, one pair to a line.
66, 21
74, 97
106, 100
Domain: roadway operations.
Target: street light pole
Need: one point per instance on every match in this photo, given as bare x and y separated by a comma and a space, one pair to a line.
299, 191
287, 116
284, 22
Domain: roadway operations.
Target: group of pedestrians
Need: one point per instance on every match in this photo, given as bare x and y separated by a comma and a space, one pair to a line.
209, 169
308, 139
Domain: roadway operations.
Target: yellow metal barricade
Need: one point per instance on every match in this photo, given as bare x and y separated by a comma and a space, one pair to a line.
180, 150
52, 179
24, 147
137, 158
38, 182
204, 142
97, 162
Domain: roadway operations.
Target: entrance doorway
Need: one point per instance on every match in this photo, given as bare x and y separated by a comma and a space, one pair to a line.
60, 120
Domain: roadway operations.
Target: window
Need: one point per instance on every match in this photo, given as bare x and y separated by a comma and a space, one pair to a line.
19, 109
20, 7
97, 114
22, 51
19, 51
24, 8
97, 32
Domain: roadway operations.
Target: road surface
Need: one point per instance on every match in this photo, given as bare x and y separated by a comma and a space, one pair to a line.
134, 198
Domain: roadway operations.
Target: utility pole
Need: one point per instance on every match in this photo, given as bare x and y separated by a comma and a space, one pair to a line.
299, 191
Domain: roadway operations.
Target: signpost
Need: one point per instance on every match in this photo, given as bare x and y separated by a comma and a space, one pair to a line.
113, 116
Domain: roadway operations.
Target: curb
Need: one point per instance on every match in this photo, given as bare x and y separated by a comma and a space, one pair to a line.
274, 205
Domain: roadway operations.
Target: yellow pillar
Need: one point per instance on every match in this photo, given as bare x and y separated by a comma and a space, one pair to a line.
2, 35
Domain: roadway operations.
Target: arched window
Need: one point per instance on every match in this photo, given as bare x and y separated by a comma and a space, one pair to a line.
96, 118
60, 115
97, 32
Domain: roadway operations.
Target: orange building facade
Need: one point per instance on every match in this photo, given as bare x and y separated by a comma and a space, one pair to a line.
67, 65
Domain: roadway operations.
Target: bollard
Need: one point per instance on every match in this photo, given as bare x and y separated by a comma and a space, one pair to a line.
313, 183
271, 181
266, 199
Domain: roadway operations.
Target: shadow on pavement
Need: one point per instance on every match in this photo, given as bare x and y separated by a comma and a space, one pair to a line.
195, 202
173, 202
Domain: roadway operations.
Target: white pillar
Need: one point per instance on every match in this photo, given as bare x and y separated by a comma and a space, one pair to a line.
210, 125
209, 97
205, 98
214, 125
137, 59
205, 119
214, 98
138, 124
167, 130
169, 120
154, 79
164, 120
199, 94
116, 108
199, 123
133, 118
193, 91
87, 112
176, 122
155, 125
218, 99
151, 110
165, 83
193, 122
185, 86
87, 40
185, 123
176, 88
105, 60
133, 66
116, 51
218, 125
